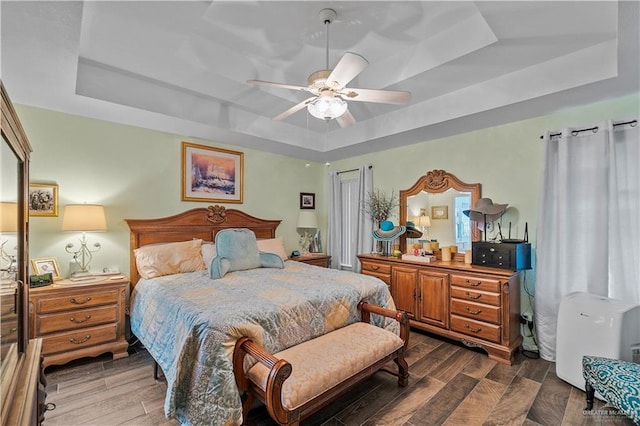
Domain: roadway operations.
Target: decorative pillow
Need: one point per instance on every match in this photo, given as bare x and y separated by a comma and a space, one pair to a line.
156, 260
273, 245
237, 250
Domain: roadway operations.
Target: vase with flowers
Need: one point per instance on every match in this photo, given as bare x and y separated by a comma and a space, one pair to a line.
379, 205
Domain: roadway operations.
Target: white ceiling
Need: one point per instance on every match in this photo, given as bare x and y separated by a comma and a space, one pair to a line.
182, 66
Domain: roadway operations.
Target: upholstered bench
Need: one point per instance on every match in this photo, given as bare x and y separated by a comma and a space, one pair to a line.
617, 381
298, 381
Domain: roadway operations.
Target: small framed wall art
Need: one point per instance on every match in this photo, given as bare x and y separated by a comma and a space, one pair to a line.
211, 174
43, 199
307, 200
439, 212
46, 265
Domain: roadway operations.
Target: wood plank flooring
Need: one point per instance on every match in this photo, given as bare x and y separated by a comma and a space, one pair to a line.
449, 385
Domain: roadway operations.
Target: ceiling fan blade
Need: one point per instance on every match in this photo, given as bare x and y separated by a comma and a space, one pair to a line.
293, 109
373, 95
346, 119
276, 85
349, 66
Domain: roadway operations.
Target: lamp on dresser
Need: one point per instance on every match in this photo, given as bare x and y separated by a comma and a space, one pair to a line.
83, 218
307, 220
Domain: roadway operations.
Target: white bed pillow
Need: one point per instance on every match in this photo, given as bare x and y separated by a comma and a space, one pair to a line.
273, 245
208, 252
156, 260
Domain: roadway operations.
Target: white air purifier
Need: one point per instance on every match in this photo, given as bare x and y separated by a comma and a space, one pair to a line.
594, 325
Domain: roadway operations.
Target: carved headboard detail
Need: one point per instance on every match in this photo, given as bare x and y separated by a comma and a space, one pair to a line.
201, 223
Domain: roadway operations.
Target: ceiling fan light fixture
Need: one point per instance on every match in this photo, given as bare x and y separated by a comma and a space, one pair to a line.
327, 108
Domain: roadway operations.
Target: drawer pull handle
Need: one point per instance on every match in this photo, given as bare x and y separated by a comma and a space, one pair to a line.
76, 302
13, 330
471, 329
374, 267
78, 342
472, 296
79, 321
474, 284
473, 311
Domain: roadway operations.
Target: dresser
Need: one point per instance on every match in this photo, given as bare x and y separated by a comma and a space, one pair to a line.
478, 306
79, 319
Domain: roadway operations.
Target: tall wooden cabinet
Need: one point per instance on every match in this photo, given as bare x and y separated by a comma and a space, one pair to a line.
475, 305
22, 395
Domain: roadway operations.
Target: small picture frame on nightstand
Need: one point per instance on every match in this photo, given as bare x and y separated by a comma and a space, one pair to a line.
46, 265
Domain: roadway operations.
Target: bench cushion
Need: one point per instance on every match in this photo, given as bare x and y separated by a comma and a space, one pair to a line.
617, 381
321, 363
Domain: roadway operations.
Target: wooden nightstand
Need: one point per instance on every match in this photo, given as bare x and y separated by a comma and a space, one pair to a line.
313, 259
79, 319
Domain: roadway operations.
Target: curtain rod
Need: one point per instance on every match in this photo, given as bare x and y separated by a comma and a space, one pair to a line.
351, 170
593, 129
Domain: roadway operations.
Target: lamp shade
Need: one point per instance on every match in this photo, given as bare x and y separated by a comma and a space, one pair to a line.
8, 216
424, 221
84, 217
307, 219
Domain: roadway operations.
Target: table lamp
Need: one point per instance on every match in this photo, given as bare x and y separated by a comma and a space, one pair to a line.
84, 218
307, 220
424, 222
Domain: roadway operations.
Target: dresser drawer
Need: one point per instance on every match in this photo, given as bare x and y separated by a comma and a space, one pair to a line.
74, 320
476, 311
376, 268
478, 329
476, 296
79, 339
478, 283
79, 300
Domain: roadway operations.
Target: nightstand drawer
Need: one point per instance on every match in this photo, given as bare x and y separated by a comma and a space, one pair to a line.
80, 339
77, 300
76, 319
479, 329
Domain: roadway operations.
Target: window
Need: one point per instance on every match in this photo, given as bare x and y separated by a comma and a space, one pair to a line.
349, 217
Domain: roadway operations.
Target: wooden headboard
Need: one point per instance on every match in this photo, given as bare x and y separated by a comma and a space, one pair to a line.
201, 223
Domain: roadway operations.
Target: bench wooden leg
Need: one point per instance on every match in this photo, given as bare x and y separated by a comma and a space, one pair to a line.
403, 371
590, 395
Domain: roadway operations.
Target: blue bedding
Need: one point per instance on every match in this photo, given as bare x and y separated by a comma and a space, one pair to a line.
189, 323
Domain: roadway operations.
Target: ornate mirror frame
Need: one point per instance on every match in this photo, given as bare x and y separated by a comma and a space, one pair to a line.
438, 181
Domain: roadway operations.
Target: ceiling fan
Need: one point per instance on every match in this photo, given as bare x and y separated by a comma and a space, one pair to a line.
329, 86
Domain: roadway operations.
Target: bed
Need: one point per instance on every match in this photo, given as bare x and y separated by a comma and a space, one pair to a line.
190, 323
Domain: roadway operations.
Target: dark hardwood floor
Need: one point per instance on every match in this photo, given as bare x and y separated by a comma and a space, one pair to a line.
449, 385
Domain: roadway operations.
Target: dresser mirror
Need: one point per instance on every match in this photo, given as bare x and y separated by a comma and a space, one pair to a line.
435, 205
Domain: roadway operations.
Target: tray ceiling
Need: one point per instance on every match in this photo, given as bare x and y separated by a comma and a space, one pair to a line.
182, 66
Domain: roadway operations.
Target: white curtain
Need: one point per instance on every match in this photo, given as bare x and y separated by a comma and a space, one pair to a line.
364, 224
359, 226
588, 230
334, 220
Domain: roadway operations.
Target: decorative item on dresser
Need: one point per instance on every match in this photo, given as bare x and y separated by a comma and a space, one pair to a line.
80, 319
22, 396
313, 259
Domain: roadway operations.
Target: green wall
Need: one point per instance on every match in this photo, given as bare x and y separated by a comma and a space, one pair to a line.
135, 173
